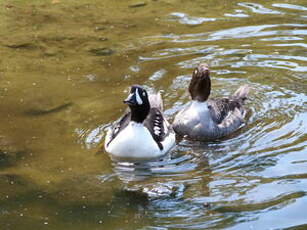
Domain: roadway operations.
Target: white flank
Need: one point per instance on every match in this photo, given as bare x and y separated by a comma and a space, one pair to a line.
197, 112
199, 106
195, 118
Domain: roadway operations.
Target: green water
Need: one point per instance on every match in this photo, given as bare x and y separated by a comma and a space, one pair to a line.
65, 68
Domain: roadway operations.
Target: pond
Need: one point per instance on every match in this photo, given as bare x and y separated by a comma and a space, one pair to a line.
66, 67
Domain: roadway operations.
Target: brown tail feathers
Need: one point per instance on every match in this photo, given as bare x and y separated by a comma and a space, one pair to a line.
241, 93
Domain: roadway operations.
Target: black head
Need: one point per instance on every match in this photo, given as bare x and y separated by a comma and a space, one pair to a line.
138, 103
200, 85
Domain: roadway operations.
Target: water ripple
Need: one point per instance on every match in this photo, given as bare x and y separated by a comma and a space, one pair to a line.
237, 33
258, 8
290, 6
188, 20
259, 170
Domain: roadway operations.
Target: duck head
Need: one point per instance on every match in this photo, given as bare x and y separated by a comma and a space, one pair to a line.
200, 85
138, 103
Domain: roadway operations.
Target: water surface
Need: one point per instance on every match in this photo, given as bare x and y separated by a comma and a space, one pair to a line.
67, 65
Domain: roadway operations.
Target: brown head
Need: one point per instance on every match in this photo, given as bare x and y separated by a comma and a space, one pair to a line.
200, 85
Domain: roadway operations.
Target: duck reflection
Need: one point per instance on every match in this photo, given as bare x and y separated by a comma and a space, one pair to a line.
169, 176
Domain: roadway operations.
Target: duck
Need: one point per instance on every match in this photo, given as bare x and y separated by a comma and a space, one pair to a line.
142, 132
204, 119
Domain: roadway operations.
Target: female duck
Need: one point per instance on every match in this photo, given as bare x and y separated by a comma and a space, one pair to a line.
204, 119
142, 132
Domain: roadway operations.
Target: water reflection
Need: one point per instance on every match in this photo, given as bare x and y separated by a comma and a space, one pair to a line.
188, 20
177, 163
290, 6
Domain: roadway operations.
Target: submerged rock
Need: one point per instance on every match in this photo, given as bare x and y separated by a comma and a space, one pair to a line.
9, 158
50, 51
22, 45
13, 186
9, 153
97, 28
137, 4
89, 190
102, 39
47, 108
102, 51
133, 196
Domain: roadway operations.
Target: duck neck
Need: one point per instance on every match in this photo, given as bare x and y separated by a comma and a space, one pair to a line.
200, 84
201, 91
139, 113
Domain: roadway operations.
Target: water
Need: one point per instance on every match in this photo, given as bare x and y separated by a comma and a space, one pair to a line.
67, 65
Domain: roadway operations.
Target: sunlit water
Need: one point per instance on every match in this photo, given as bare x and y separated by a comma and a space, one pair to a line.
65, 68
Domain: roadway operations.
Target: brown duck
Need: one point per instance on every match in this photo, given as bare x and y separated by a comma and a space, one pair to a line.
209, 119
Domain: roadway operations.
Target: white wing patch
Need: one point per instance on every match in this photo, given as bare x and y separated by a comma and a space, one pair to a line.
157, 124
116, 129
157, 130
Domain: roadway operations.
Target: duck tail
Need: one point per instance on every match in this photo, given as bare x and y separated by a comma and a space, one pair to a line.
241, 93
155, 101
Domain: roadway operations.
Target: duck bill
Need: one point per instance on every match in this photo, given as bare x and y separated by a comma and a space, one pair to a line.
131, 100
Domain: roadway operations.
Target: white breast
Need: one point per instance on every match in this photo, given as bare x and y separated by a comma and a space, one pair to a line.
196, 113
135, 141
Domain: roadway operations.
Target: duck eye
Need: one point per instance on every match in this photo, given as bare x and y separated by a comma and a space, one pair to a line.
144, 94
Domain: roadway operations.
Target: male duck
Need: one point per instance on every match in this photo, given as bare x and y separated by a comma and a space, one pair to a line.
204, 119
142, 132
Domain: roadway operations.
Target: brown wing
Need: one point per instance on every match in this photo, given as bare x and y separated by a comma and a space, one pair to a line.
220, 108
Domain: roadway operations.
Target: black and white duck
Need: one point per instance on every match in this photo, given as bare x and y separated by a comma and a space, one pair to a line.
142, 132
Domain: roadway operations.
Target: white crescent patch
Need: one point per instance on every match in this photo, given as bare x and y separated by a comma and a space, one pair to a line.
138, 98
